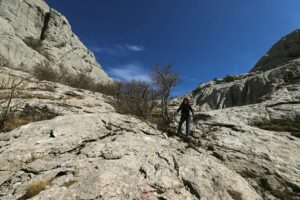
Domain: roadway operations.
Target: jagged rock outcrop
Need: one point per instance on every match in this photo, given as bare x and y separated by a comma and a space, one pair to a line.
287, 49
246, 89
280, 68
259, 139
34, 35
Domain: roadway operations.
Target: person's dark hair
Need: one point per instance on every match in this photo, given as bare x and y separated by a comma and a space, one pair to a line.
185, 99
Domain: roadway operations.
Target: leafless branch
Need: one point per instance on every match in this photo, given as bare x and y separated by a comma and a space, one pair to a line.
164, 79
7, 107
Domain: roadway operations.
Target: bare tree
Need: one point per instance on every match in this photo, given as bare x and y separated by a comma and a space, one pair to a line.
10, 90
138, 98
164, 79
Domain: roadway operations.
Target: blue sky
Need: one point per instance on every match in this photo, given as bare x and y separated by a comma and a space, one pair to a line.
202, 39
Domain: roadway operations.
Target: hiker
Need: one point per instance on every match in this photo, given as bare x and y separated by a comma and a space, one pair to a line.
185, 109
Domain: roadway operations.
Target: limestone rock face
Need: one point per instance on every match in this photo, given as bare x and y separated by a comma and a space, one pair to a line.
34, 35
246, 89
91, 152
287, 49
258, 139
244, 144
279, 68
251, 123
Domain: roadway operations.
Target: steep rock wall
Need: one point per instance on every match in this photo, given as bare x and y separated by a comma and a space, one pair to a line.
34, 35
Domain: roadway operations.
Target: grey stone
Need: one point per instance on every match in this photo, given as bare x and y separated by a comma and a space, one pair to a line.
106, 155
254, 88
34, 35
285, 50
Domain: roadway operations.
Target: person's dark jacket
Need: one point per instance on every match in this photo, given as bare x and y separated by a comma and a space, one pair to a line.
185, 110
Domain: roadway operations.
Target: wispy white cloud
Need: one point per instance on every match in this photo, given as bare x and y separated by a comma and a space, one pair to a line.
130, 71
134, 47
118, 50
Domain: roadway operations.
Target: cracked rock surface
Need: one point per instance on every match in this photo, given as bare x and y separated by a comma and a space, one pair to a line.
244, 146
251, 123
105, 155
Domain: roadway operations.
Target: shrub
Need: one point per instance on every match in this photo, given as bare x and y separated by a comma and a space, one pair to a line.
279, 126
137, 98
7, 107
81, 80
47, 73
229, 78
217, 81
290, 76
27, 115
113, 89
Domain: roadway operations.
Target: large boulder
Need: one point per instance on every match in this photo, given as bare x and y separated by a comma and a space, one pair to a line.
287, 49
34, 35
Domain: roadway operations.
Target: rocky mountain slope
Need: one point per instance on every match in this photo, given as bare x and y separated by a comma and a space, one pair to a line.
35, 35
251, 123
245, 134
259, 141
287, 49
279, 69
91, 152
249, 88
86, 150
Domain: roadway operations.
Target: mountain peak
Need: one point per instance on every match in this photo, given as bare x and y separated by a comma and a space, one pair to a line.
285, 50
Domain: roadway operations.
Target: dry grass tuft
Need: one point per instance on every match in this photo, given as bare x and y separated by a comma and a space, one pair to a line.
69, 183
13, 123
35, 188
235, 195
25, 95
4, 95
46, 73
279, 126
42, 96
28, 115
